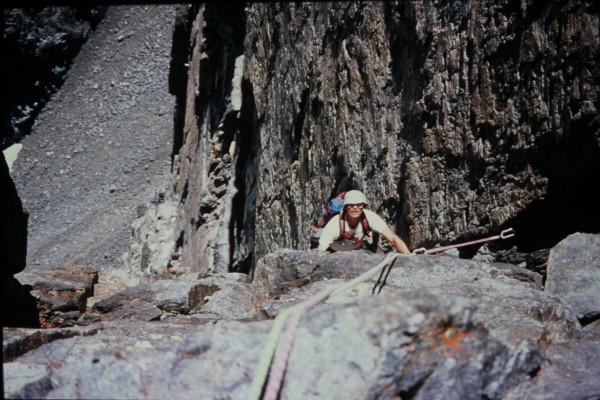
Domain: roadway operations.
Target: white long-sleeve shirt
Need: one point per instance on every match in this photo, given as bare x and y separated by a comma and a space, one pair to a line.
331, 231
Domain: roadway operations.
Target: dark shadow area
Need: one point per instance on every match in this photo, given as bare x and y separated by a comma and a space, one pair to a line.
573, 199
178, 70
409, 53
39, 45
19, 307
243, 214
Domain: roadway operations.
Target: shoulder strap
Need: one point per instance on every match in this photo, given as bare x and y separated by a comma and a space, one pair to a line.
363, 220
342, 224
365, 223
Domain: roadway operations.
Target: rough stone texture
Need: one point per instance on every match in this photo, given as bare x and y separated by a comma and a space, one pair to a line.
153, 242
525, 312
61, 293
440, 327
424, 105
415, 343
570, 371
291, 268
19, 341
453, 118
574, 274
38, 47
101, 146
205, 163
212, 298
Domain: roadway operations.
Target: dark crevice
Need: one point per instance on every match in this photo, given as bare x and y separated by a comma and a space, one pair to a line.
178, 70
243, 216
589, 319
413, 391
571, 203
296, 141
13, 350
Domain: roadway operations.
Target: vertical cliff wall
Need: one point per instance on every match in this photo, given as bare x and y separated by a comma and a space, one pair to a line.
454, 118
205, 148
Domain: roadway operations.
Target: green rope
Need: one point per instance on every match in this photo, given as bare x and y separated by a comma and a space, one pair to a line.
262, 370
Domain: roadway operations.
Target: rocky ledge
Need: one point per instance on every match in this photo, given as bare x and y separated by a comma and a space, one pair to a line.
424, 327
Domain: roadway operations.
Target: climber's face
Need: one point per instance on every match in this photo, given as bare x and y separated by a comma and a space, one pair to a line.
354, 210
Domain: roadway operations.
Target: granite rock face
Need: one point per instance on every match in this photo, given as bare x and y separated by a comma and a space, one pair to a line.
454, 119
575, 274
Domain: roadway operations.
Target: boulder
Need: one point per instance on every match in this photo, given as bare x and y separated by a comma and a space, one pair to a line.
427, 326
574, 274
570, 371
211, 298
61, 293
509, 299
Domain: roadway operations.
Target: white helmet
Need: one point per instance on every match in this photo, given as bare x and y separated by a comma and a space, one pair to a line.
355, 197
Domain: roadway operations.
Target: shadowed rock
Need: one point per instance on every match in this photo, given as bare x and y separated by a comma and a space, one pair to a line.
211, 298
18, 306
61, 293
574, 274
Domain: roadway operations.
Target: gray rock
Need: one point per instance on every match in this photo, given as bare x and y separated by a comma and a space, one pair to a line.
18, 341
168, 295
570, 371
574, 274
67, 346
217, 297
292, 268
525, 312
225, 298
380, 346
61, 293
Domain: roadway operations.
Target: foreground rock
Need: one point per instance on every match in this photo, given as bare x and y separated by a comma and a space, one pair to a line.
213, 298
392, 344
433, 327
580, 286
510, 301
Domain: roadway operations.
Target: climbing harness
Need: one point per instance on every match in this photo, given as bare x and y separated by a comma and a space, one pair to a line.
347, 241
505, 234
367, 231
345, 244
279, 345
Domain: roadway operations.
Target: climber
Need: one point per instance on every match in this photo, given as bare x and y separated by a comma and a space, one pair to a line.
360, 224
